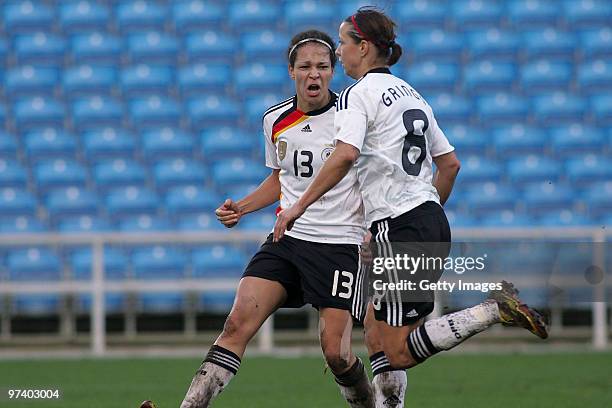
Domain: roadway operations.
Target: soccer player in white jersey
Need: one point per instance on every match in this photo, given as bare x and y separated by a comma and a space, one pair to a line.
390, 131
318, 262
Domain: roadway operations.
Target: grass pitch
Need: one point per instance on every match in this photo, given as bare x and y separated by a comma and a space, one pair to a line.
546, 380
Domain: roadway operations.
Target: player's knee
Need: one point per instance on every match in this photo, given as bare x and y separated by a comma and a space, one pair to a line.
400, 357
234, 327
337, 359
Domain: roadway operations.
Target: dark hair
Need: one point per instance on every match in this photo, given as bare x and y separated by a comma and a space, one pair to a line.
371, 24
314, 35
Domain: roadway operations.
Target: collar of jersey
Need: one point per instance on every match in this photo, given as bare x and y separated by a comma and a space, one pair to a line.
330, 104
379, 70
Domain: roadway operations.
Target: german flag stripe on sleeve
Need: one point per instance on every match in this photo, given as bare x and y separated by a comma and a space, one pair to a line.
294, 118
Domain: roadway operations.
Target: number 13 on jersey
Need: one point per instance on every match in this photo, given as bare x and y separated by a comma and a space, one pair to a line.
346, 284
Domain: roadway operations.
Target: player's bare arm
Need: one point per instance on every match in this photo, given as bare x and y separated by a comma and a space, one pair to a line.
447, 169
335, 168
268, 192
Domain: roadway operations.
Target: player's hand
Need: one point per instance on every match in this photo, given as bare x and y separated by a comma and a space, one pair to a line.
228, 213
285, 220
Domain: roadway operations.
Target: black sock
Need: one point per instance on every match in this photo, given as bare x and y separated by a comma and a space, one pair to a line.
352, 375
380, 364
223, 358
420, 345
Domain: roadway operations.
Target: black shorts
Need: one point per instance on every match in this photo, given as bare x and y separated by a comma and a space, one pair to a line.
420, 232
324, 275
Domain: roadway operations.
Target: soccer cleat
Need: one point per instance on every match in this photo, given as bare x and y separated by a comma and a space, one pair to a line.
513, 312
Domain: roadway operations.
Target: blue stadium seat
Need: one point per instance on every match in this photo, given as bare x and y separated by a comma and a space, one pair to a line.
12, 173
493, 43
33, 264
532, 169
179, 172
199, 222
27, 15
218, 261
489, 75
35, 304
457, 220
502, 108
256, 105
564, 218
196, 14
140, 14
211, 111
471, 13
108, 143
477, 169
211, 46
306, 14
266, 46
419, 13
49, 143
113, 303
559, 107
450, 107
71, 201
38, 111
167, 142
587, 13
8, 145
437, 44
191, 199
159, 262
144, 223
29, 80
88, 80
597, 198
238, 191
96, 47
258, 222
519, 139
595, 75
129, 201
83, 15
530, 13
576, 139
143, 79
226, 142
197, 78
506, 219
253, 14
152, 46
40, 48
431, 75
544, 197
216, 302
84, 223
116, 263
259, 77
468, 140
161, 302
119, 172
21, 224
596, 43
239, 171
545, 75
490, 197
155, 110
59, 173
549, 42
15, 202
96, 111
601, 106
589, 168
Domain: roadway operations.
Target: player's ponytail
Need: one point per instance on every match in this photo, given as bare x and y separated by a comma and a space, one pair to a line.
396, 53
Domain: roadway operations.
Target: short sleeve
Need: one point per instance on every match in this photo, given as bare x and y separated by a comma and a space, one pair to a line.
351, 119
270, 147
438, 142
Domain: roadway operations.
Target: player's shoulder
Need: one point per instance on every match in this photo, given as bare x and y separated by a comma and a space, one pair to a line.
278, 109
343, 99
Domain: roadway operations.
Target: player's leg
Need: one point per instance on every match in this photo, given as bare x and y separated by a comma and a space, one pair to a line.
389, 384
256, 299
335, 327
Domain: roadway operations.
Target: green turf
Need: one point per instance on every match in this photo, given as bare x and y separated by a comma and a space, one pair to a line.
548, 380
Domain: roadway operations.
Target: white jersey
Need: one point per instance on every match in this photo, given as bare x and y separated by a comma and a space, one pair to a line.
396, 132
298, 144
